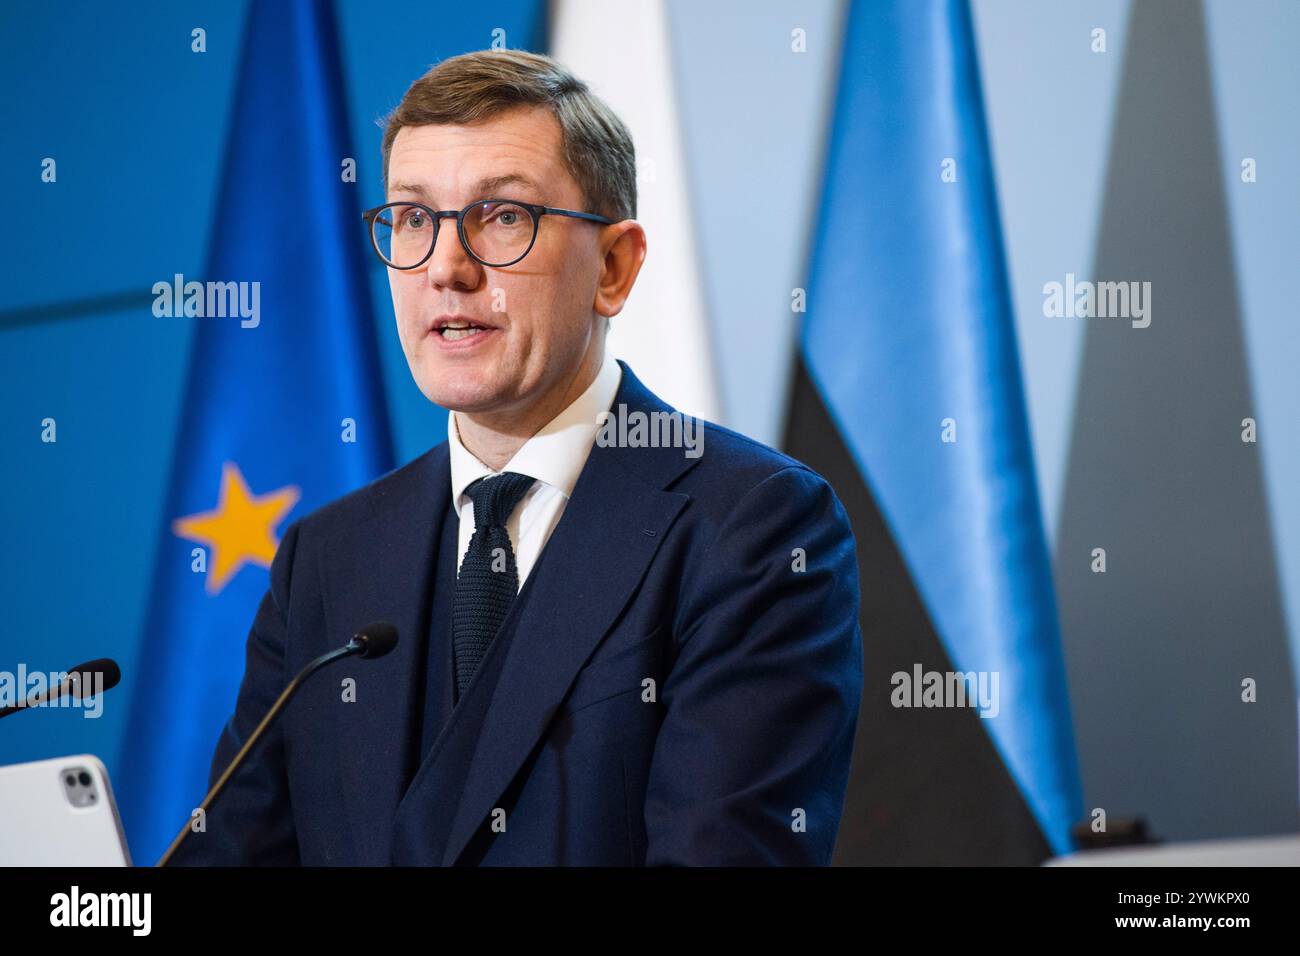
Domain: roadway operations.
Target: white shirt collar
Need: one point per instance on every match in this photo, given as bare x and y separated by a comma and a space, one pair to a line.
558, 452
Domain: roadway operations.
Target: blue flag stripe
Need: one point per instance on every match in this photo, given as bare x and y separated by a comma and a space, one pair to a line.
909, 338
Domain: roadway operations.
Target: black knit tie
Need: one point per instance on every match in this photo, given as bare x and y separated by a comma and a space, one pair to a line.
488, 579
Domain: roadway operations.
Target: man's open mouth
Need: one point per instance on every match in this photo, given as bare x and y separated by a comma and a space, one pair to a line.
453, 331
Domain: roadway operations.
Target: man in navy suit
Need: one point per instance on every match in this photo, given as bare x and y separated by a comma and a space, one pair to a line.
626, 637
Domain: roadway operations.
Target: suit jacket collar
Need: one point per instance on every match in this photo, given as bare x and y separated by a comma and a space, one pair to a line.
385, 571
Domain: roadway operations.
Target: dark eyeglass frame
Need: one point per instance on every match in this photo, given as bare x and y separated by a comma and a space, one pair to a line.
536, 210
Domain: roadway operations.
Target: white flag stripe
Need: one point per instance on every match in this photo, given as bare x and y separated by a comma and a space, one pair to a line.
621, 51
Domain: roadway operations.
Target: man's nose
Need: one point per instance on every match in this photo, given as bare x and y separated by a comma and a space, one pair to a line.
450, 264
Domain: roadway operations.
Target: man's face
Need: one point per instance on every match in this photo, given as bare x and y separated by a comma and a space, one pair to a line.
540, 329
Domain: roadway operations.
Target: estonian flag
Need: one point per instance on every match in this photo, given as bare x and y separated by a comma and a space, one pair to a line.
909, 400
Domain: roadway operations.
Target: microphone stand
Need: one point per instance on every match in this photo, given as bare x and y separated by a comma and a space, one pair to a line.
358, 645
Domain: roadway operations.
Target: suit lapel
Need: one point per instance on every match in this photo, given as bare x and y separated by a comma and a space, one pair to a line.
595, 559
386, 573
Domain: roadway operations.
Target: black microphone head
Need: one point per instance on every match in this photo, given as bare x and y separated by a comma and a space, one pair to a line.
82, 677
376, 639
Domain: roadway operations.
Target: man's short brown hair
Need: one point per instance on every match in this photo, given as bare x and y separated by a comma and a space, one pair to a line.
476, 86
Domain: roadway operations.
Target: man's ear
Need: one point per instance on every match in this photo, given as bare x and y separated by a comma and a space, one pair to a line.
624, 245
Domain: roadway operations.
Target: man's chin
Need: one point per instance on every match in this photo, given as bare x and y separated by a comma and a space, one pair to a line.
460, 392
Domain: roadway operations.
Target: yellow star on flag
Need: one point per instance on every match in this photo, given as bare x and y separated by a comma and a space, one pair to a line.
241, 530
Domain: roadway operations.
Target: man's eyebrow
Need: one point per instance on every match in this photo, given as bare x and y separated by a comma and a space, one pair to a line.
417, 188
483, 190
493, 183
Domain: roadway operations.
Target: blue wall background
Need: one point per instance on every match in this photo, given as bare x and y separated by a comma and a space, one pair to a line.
138, 162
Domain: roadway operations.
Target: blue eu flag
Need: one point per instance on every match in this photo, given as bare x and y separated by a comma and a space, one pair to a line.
283, 409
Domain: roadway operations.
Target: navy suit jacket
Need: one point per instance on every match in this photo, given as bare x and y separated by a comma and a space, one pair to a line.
677, 683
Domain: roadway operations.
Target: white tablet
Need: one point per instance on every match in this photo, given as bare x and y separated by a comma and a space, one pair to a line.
60, 812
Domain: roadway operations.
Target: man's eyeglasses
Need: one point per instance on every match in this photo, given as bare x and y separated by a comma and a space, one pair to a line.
496, 232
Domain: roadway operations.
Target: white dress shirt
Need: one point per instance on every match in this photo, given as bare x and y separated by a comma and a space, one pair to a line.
555, 456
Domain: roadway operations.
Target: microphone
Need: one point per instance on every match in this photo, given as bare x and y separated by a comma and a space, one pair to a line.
376, 640
371, 642
84, 680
